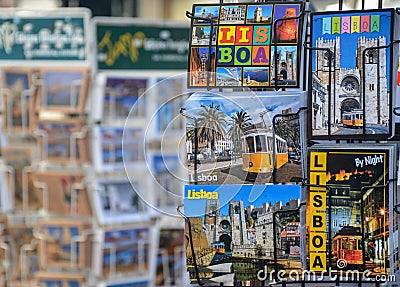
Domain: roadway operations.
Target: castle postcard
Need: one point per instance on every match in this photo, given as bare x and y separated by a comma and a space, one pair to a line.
351, 70
350, 222
237, 142
232, 231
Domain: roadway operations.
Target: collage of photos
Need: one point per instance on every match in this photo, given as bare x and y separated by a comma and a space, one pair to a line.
233, 229
239, 49
237, 141
361, 97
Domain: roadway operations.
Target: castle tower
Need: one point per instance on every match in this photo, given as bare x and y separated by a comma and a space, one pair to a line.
376, 89
258, 14
322, 67
211, 220
238, 223
291, 72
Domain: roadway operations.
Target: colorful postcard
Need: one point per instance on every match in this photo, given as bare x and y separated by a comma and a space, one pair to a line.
116, 202
59, 141
237, 142
243, 40
61, 245
24, 195
17, 99
120, 94
71, 197
348, 110
63, 89
233, 229
350, 208
126, 251
114, 147
170, 258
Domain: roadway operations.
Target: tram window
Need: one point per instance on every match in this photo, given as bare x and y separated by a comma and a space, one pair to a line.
250, 144
261, 143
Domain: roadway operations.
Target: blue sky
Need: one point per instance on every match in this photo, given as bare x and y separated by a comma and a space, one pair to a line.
214, 10
250, 194
250, 102
349, 41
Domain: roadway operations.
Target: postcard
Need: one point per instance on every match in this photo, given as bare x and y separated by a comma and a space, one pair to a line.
170, 257
71, 197
115, 147
20, 159
59, 141
350, 208
61, 244
116, 201
18, 102
238, 50
118, 95
126, 251
348, 110
233, 227
63, 89
237, 142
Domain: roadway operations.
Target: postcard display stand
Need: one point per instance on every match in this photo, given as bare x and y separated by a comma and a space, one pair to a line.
78, 204
291, 144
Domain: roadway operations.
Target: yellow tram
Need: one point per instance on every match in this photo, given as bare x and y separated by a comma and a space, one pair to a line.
353, 118
258, 151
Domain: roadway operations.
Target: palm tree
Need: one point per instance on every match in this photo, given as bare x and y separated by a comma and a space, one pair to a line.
238, 122
211, 125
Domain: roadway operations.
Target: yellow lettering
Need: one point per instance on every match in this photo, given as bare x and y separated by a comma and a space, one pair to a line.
127, 46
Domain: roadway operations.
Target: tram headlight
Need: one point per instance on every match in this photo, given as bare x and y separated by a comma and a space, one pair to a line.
250, 164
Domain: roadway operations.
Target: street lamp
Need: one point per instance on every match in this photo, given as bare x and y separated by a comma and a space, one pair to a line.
196, 142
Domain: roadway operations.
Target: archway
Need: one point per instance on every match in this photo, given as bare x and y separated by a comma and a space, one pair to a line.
284, 74
225, 238
349, 105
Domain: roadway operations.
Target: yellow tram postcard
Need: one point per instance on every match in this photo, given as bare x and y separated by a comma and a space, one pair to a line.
232, 230
234, 138
350, 223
